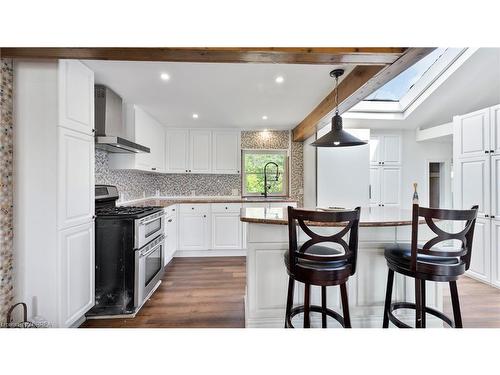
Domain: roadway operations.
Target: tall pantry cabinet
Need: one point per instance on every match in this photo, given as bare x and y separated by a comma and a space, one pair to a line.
54, 194
476, 153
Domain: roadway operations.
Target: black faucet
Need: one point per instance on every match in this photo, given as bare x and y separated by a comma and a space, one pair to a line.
266, 187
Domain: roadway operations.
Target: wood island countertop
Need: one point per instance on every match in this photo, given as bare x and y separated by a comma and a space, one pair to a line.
370, 216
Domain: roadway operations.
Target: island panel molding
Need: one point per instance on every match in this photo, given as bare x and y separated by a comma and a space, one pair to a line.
6, 191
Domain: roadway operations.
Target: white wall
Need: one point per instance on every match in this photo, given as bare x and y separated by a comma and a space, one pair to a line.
415, 163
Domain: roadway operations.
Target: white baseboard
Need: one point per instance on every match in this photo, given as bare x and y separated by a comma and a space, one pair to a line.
210, 253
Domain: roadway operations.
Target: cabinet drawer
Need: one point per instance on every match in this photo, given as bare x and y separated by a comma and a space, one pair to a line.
226, 207
195, 208
170, 210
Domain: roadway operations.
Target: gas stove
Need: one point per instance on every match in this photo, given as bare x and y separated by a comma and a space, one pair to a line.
128, 211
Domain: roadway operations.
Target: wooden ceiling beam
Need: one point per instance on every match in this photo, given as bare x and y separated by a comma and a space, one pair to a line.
278, 55
361, 82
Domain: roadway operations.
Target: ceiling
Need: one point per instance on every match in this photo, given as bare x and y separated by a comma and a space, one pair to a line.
474, 85
223, 95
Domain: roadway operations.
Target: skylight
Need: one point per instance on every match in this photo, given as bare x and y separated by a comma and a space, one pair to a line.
397, 87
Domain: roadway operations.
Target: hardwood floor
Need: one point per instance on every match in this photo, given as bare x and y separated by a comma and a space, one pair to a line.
209, 293
479, 303
194, 293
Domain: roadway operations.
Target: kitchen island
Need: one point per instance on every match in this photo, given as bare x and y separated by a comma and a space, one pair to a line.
267, 280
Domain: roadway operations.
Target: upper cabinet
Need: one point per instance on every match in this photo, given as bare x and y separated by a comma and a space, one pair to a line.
226, 152
385, 149
200, 155
203, 151
147, 132
471, 135
76, 96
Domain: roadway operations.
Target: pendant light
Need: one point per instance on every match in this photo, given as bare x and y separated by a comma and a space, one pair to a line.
337, 137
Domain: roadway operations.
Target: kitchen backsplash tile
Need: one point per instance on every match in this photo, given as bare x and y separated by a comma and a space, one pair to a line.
134, 184
6, 188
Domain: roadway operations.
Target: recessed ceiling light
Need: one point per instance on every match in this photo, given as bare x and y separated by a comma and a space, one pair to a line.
195, 115
165, 76
279, 79
264, 117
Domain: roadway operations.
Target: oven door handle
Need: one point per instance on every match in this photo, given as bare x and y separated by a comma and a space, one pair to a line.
149, 252
150, 221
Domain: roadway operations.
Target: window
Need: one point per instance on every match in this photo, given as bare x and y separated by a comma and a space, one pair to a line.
254, 162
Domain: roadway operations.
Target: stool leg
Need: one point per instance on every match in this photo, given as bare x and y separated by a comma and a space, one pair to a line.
289, 300
388, 295
457, 316
422, 292
345, 306
418, 303
323, 306
307, 298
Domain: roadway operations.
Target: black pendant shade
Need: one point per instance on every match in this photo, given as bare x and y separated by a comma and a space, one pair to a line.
337, 137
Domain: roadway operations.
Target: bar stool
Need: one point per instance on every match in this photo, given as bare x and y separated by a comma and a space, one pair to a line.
314, 264
429, 263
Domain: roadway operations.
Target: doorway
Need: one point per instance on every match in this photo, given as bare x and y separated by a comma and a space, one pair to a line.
437, 184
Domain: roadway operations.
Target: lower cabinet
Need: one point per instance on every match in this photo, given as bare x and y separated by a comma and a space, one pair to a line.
481, 251
495, 252
194, 227
170, 238
226, 231
76, 254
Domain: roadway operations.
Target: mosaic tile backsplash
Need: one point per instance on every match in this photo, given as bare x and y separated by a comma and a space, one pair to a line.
6, 188
134, 184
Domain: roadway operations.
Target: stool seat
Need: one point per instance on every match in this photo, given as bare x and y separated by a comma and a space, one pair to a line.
317, 265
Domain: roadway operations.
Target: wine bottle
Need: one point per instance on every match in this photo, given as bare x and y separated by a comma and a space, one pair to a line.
415, 194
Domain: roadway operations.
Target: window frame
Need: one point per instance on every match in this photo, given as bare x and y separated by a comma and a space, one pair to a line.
286, 181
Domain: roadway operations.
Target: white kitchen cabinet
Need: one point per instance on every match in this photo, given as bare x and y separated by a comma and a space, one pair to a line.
385, 149
385, 186
147, 132
495, 252
374, 189
226, 226
495, 130
170, 237
495, 187
473, 184
76, 279
194, 229
75, 192
76, 96
200, 151
226, 152
471, 135
481, 254
177, 152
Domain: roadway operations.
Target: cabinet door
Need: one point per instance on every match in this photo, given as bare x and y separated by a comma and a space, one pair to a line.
374, 186
480, 258
473, 184
495, 129
390, 186
391, 149
375, 149
226, 152
226, 231
177, 144
495, 252
495, 186
76, 282
200, 154
145, 137
170, 238
76, 96
158, 148
472, 133
193, 231
75, 178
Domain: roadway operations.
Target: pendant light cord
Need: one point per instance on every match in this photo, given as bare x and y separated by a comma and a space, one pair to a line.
336, 94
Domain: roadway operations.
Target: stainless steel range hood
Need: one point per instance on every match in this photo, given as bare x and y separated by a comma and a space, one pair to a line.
109, 125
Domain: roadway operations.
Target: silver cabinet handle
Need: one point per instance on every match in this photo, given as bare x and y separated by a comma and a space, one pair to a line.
169, 220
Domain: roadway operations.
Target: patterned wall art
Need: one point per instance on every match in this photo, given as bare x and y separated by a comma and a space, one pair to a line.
133, 184
6, 188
